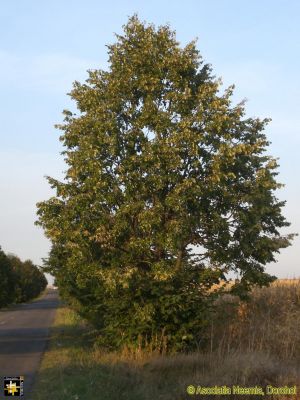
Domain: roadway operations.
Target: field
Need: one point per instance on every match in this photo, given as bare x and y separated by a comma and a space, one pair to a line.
247, 344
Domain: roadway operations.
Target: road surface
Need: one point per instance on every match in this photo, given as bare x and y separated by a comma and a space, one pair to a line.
23, 337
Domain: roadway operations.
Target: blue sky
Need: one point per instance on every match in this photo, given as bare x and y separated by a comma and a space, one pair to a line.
45, 46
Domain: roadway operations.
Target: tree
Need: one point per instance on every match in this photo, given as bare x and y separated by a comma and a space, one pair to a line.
6, 280
29, 281
19, 281
168, 189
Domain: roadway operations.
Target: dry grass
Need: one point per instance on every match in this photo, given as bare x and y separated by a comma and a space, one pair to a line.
254, 343
268, 323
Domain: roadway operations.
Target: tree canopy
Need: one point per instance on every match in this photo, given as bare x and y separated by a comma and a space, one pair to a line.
19, 281
168, 188
6, 280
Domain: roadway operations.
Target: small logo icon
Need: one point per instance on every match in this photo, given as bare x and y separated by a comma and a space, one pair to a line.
191, 389
14, 386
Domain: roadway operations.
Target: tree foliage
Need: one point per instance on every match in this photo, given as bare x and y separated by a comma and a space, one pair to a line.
168, 188
19, 281
6, 280
29, 281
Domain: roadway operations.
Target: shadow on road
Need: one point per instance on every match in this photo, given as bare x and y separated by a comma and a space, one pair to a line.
48, 300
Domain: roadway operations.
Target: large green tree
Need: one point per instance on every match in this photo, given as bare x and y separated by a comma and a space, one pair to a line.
168, 188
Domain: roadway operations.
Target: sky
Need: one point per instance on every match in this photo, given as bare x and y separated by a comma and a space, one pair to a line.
45, 46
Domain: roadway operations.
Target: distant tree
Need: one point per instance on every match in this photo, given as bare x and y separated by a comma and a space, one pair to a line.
6, 280
168, 189
29, 281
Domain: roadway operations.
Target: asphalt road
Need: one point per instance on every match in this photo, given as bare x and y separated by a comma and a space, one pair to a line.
23, 337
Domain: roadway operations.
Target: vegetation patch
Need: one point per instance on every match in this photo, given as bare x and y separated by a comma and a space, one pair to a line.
19, 281
253, 343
